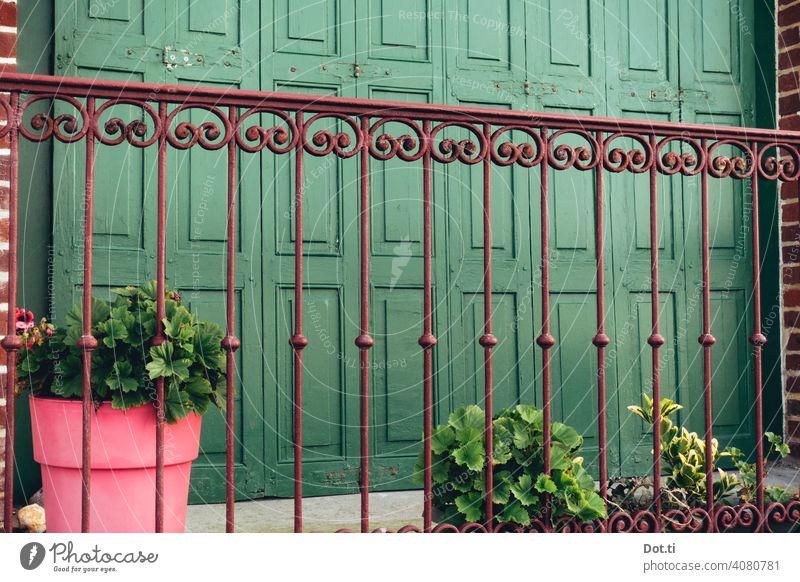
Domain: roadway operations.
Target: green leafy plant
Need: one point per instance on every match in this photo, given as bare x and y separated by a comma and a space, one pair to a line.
776, 449
684, 456
521, 486
684, 453
125, 364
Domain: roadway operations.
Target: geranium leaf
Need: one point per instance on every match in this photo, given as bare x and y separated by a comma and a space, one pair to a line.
530, 414
544, 484
514, 512
523, 490
471, 455
441, 439
467, 417
566, 435
470, 505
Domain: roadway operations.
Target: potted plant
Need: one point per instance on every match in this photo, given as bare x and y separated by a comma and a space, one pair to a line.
125, 366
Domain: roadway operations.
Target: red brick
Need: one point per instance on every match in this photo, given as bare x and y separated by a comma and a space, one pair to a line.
793, 342
8, 14
793, 430
791, 318
791, 297
789, 191
788, 16
790, 212
793, 384
788, 81
791, 275
791, 254
793, 362
8, 44
793, 407
788, 37
789, 103
788, 233
788, 59
789, 120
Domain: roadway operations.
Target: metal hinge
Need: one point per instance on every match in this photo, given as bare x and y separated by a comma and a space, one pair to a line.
671, 95
173, 57
500, 91
354, 70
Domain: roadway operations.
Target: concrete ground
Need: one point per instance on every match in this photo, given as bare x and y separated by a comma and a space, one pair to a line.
786, 474
387, 510
320, 514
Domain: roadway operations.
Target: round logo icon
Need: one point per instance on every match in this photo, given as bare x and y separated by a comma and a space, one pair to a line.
31, 555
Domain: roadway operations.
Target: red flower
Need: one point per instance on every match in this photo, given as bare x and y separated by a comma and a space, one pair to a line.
24, 320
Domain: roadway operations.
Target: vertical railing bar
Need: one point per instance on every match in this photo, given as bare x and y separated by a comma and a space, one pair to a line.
298, 341
758, 339
601, 340
230, 342
87, 343
11, 343
655, 340
427, 340
488, 340
364, 341
706, 339
545, 340
159, 338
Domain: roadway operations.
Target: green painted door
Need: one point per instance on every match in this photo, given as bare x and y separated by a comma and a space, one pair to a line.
135, 40
659, 59
691, 62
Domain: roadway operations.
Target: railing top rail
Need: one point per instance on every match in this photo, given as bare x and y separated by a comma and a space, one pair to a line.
110, 89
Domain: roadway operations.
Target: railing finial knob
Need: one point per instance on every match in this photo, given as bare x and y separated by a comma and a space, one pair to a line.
545, 341
298, 341
364, 341
87, 343
427, 341
707, 340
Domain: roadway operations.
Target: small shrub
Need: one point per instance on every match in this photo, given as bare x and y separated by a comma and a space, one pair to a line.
684, 460
520, 483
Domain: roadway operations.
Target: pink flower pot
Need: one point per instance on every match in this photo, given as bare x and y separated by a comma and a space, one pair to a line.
123, 461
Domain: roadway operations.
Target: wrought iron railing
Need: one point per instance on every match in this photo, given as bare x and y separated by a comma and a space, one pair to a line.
660, 148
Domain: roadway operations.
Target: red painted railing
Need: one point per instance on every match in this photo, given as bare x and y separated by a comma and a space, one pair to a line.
661, 148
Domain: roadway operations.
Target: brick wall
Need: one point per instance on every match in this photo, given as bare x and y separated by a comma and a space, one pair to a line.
788, 43
8, 40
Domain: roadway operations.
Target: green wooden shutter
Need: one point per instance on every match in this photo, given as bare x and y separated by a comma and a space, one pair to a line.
180, 43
